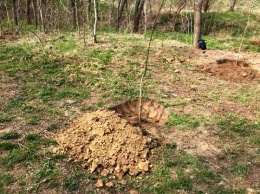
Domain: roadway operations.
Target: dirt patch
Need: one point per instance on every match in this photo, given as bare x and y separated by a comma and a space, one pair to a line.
151, 111
107, 144
231, 70
199, 142
256, 42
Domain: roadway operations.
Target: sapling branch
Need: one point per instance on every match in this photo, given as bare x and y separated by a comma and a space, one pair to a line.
146, 63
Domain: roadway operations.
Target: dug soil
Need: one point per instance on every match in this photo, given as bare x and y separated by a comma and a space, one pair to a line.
231, 70
107, 144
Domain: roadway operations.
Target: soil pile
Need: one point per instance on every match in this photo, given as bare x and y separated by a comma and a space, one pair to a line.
107, 144
231, 70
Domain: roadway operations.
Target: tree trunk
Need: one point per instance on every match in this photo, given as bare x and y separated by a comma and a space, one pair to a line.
15, 12
197, 22
95, 21
35, 13
28, 12
74, 15
139, 6
89, 10
39, 5
232, 5
111, 13
205, 5
77, 16
121, 5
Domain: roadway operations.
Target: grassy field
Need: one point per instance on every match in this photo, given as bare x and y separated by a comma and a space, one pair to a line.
213, 129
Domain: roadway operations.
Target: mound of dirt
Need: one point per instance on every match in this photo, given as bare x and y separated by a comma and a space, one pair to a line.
231, 70
151, 111
255, 42
107, 144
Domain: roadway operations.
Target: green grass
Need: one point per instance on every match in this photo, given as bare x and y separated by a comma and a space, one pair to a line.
182, 121
53, 127
4, 119
242, 96
240, 126
73, 182
6, 179
178, 170
175, 102
8, 146
256, 140
16, 156
47, 171
239, 170
32, 137
33, 120
104, 56
25, 154
10, 135
66, 45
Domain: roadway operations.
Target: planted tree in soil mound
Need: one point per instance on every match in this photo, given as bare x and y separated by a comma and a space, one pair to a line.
107, 144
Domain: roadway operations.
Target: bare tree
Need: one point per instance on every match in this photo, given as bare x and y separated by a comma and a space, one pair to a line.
35, 13
28, 12
95, 21
15, 12
232, 5
89, 10
197, 22
39, 5
139, 6
121, 5
206, 5
74, 16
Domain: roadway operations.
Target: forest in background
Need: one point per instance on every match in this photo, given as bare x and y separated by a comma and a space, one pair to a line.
176, 16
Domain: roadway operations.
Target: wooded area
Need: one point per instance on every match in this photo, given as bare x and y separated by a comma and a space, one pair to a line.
136, 16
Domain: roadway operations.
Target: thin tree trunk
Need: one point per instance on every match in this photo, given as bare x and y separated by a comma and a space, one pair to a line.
97, 6
121, 5
7, 14
145, 16
74, 16
205, 5
95, 21
15, 12
39, 3
35, 13
89, 10
28, 12
171, 5
77, 16
111, 13
232, 5
139, 6
197, 22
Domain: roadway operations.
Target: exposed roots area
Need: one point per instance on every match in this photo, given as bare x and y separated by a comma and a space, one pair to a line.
232, 70
151, 111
